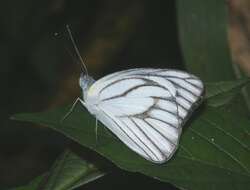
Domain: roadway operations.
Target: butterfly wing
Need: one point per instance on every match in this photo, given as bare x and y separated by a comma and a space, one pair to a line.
146, 108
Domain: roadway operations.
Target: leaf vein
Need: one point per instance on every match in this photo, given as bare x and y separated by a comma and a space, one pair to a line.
226, 133
187, 151
222, 150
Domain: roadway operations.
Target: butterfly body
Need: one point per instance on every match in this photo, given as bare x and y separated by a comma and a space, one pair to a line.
144, 108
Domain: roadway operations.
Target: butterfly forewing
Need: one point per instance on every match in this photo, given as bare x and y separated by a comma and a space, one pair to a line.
146, 108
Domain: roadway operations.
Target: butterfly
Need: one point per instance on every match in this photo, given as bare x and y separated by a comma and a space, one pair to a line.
145, 108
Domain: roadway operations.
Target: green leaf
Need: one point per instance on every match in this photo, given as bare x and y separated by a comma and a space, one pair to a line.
33, 185
68, 172
203, 35
213, 152
221, 93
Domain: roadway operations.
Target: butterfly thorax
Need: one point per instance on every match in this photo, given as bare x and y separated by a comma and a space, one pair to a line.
85, 82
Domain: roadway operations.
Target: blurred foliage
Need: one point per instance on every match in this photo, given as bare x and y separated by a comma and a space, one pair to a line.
239, 22
38, 72
203, 38
222, 93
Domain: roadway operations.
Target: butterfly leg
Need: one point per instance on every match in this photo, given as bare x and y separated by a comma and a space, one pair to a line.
72, 108
96, 128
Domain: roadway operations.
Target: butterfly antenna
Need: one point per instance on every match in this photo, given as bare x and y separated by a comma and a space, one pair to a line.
77, 51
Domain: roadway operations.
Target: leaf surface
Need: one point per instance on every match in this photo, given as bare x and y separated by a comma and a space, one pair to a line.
214, 150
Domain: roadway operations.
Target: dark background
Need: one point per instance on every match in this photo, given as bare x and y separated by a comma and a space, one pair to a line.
38, 73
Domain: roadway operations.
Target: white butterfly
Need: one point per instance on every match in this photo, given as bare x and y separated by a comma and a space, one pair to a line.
144, 108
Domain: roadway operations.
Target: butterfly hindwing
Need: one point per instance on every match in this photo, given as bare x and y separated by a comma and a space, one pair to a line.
146, 108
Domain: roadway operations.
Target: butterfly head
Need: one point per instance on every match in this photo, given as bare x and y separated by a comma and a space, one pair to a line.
85, 82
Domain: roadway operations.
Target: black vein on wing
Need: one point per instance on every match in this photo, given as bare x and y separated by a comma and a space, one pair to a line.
175, 114
139, 146
174, 77
146, 114
177, 92
140, 140
168, 78
181, 87
181, 78
160, 133
167, 123
187, 80
155, 106
180, 96
120, 80
148, 83
170, 100
138, 127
